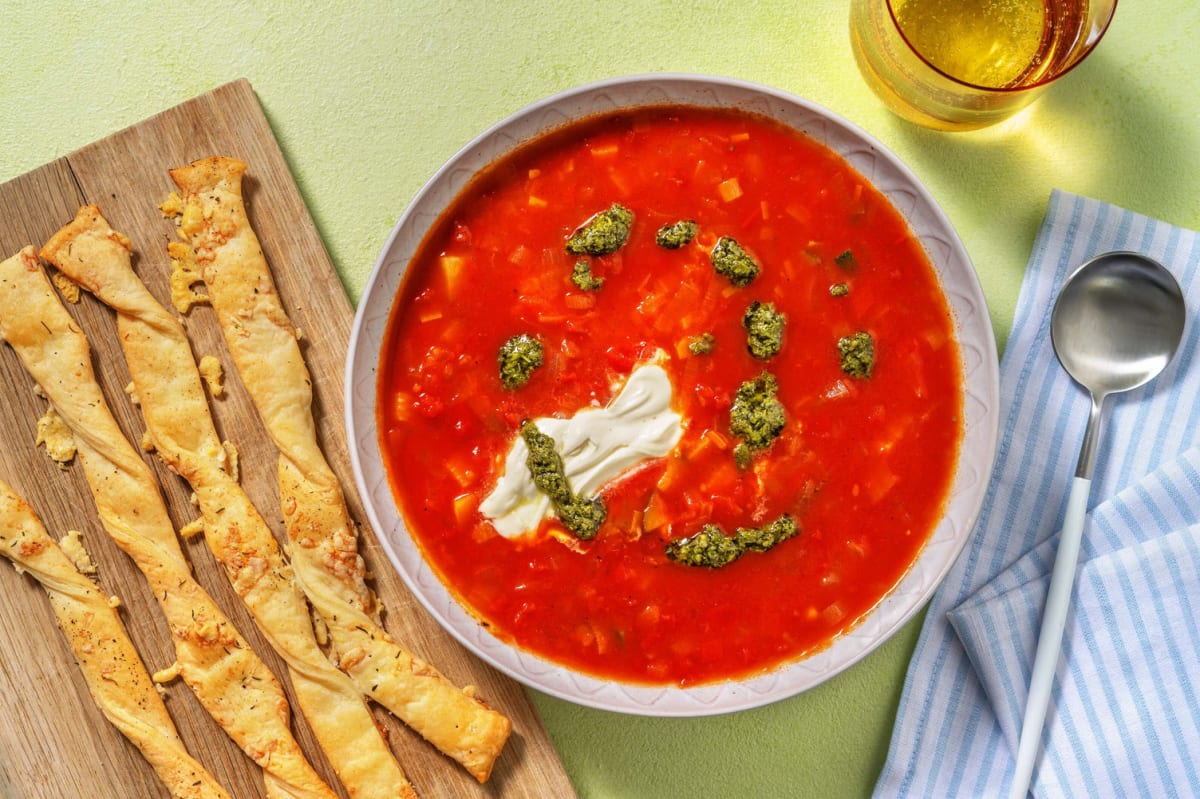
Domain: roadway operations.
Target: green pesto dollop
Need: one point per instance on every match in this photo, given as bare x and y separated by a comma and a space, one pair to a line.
733, 262
702, 344
764, 330
839, 290
858, 354
604, 233
761, 539
712, 548
579, 515
846, 259
756, 417
676, 235
518, 357
582, 277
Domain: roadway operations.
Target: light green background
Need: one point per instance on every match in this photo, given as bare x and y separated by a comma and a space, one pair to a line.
368, 99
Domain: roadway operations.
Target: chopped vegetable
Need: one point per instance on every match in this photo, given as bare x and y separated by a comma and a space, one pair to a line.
580, 515
731, 260
764, 330
672, 237
858, 354
518, 357
702, 344
581, 276
846, 260
756, 417
839, 290
730, 189
713, 549
604, 233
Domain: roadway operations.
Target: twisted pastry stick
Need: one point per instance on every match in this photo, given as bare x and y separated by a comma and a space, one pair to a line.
171, 396
115, 674
224, 253
213, 659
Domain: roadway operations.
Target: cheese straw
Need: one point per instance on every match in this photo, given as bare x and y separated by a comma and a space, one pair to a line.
171, 396
223, 251
212, 657
114, 671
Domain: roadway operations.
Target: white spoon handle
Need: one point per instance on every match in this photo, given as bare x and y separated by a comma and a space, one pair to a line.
1054, 619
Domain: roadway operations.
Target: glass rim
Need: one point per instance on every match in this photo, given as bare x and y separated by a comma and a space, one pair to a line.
1001, 89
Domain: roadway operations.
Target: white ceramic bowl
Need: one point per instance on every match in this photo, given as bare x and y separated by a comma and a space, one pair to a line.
972, 326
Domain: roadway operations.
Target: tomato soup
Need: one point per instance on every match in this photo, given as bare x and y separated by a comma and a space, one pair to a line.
860, 468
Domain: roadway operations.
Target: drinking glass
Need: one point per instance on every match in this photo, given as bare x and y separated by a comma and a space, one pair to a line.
966, 64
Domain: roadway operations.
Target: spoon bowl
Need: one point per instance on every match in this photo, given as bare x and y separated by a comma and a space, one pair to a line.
1116, 324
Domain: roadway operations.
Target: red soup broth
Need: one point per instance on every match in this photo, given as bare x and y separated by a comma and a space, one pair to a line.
863, 465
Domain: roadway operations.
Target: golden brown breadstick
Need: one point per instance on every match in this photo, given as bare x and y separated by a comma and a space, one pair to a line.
114, 671
224, 252
178, 419
213, 659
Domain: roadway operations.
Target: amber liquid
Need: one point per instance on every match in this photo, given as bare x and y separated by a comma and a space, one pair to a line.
998, 44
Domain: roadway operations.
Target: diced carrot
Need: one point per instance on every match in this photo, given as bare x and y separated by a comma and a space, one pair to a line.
402, 407
462, 472
580, 302
520, 256
656, 515
716, 438
617, 177
798, 212
605, 150
635, 525
649, 616
881, 483
740, 137
833, 613
702, 444
537, 202
603, 638
652, 304
452, 268
729, 189
464, 508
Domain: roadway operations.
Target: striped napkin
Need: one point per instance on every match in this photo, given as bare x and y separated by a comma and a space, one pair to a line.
1131, 641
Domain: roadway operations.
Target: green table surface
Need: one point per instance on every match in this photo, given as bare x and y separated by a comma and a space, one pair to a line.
368, 99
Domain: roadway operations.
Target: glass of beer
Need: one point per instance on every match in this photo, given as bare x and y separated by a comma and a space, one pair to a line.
966, 64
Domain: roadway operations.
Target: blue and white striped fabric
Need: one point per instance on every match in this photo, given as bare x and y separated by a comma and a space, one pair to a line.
1125, 717
1139, 541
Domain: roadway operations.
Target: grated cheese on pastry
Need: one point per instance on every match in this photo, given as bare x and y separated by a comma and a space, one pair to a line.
227, 257
178, 418
214, 660
114, 672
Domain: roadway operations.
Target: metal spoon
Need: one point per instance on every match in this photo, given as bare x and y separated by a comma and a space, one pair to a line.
1116, 324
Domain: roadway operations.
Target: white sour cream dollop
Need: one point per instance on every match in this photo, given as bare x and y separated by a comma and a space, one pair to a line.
596, 445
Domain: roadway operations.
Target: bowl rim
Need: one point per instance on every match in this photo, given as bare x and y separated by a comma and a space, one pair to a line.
791, 678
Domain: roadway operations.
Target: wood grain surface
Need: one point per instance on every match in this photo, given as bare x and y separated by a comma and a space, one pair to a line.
54, 742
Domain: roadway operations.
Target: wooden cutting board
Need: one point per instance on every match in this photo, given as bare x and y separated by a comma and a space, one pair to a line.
54, 742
